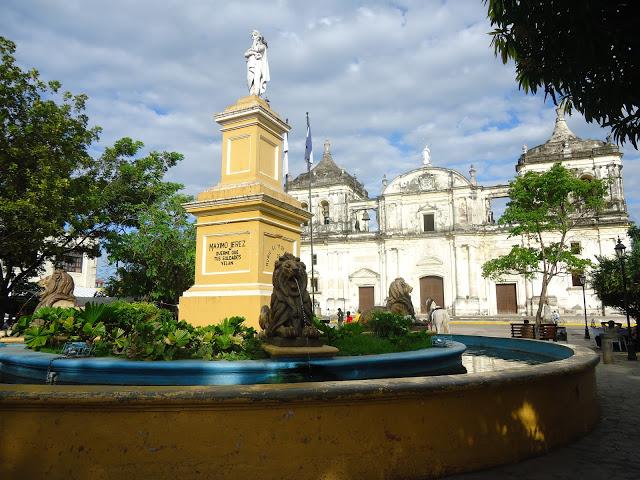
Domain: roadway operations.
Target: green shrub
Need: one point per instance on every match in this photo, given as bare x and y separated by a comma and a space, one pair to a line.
388, 324
350, 329
139, 331
372, 344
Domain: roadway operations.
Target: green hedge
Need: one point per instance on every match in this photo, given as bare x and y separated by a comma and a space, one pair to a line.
384, 332
139, 331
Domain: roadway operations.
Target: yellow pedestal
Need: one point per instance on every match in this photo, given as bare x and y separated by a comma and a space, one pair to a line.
244, 223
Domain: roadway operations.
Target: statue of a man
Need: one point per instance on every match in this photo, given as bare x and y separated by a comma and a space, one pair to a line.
257, 65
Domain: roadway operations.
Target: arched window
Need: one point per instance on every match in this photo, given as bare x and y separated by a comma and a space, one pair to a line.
324, 205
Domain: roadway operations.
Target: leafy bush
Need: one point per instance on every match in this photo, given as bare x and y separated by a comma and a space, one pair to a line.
143, 331
371, 344
388, 324
391, 335
138, 331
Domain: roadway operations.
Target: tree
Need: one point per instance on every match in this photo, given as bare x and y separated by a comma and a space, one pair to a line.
585, 53
543, 209
606, 278
54, 197
156, 260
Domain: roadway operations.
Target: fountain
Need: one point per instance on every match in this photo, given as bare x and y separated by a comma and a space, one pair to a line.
380, 416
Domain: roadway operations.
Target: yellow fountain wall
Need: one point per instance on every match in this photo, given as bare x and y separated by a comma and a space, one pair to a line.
396, 428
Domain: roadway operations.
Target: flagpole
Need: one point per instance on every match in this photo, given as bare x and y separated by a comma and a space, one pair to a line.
286, 159
309, 158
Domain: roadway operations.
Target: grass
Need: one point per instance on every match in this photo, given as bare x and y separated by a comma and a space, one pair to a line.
371, 344
56, 350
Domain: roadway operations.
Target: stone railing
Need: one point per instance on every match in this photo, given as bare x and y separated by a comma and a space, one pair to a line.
334, 228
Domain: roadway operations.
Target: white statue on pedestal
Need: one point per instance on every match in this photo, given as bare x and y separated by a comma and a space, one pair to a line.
257, 65
426, 155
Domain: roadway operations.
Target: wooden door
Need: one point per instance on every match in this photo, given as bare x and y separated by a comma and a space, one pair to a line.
431, 287
365, 301
506, 298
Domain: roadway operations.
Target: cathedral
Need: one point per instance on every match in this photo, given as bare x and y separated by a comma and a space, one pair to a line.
435, 227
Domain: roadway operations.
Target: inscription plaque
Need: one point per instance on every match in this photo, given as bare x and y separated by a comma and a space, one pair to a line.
226, 253
273, 247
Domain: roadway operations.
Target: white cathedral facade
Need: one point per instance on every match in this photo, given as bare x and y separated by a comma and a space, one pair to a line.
435, 228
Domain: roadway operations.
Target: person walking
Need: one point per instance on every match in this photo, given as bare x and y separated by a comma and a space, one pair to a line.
340, 317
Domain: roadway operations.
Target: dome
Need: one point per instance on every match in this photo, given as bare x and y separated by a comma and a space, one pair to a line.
564, 144
327, 173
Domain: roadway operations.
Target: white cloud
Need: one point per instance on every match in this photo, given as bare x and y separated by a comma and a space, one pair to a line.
379, 80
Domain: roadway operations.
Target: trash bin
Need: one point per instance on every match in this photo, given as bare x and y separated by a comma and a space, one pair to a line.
561, 334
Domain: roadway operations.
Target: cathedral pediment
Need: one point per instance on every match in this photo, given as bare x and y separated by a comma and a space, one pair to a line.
429, 261
364, 273
426, 179
427, 207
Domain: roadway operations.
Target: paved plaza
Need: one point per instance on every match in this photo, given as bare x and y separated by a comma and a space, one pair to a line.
611, 451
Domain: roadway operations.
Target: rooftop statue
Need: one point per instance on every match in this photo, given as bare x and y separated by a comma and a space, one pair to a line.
257, 65
426, 155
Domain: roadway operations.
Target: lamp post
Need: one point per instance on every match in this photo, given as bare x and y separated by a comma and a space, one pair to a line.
583, 281
631, 348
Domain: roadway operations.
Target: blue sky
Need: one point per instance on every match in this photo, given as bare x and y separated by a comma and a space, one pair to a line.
379, 79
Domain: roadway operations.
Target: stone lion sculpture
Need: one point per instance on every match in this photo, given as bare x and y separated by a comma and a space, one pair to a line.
290, 314
399, 300
58, 290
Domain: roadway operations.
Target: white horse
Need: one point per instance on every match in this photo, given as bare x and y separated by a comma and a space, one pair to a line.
440, 319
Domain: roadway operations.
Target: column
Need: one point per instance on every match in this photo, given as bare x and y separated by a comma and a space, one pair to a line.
462, 272
473, 277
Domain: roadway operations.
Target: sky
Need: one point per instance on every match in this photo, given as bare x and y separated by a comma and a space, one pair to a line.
379, 79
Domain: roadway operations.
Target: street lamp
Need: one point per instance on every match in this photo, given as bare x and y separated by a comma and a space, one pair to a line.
631, 348
583, 281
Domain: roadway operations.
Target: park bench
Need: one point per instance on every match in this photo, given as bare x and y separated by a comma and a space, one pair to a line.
548, 331
522, 330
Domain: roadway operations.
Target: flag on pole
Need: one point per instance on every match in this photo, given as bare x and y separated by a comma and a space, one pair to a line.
285, 151
308, 149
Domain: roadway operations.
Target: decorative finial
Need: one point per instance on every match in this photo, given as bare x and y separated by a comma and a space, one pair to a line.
472, 175
327, 146
384, 180
561, 132
257, 65
560, 111
426, 155
525, 149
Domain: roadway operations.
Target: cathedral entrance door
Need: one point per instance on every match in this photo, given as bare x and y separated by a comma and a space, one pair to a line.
431, 287
506, 298
365, 298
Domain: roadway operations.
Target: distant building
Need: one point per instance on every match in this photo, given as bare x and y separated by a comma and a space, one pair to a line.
82, 269
435, 227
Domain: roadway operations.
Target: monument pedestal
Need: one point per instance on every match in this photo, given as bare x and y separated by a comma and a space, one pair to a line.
244, 223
